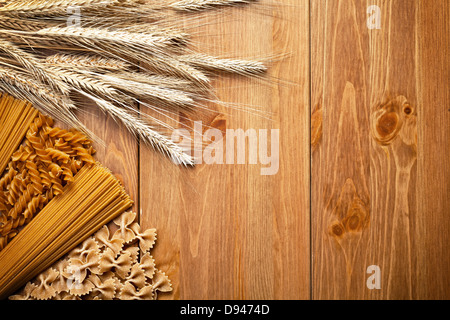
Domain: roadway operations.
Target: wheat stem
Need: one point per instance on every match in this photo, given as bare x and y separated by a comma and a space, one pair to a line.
199, 5
148, 91
30, 63
145, 132
84, 82
238, 66
43, 97
93, 37
7, 22
51, 7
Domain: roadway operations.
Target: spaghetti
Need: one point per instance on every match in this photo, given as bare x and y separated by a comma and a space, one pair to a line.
46, 161
15, 118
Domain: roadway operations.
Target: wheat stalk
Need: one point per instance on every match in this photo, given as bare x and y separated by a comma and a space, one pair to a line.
157, 80
148, 91
174, 35
174, 67
145, 132
90, 61
43, 97
7, 22
80, 81
242, 67
52, 7
92, 38
199, 5
126, 52
30, 63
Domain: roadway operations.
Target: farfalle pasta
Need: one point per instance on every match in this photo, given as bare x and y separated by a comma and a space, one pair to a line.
103, 267
46, 161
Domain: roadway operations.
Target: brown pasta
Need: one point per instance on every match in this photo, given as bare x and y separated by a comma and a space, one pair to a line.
7, 178
47, 160
64, 146
57, 155
103, 268
71, 137
83, 154
42, 220
34, 176
16, 116
95, 198
23, 154
45, 176
67, 173
15, 189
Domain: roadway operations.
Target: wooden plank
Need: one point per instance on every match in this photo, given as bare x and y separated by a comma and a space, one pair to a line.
370, 92
433, 191
225, 230
116, 149
340, 160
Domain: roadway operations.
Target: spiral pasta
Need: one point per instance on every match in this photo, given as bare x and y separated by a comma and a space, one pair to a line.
38, 170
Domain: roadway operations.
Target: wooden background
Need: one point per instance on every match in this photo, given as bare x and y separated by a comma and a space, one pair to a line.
364, 171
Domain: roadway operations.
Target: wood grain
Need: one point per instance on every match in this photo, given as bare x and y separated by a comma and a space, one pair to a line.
116, 149
363, 180
225, 230
371, 89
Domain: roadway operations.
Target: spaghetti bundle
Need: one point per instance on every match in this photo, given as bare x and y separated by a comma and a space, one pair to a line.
15, 118
93, 199
46, 161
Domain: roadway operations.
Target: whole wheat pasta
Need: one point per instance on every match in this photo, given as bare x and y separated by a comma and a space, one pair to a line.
66, 135
23, 154
34, 176
103, 267
67, 172
95, 198
44, 175
15, 118
87, 61
39, 170
7, 178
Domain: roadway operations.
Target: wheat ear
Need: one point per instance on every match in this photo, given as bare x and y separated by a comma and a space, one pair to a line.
157, 80
30, 63
50, 7
43, 97
90, 61
238, 66
7, 22
171, 66
81, 81
93, 38
148, 91
145, 133
199, 5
